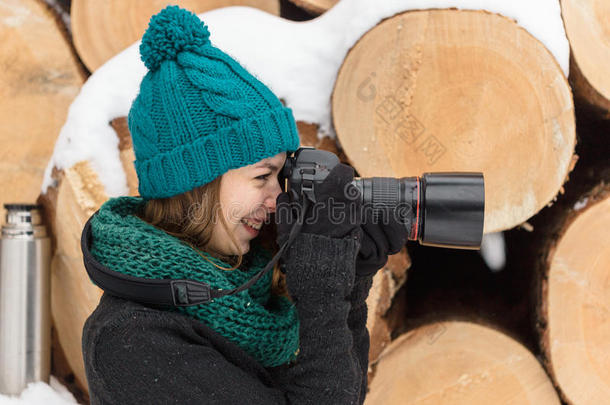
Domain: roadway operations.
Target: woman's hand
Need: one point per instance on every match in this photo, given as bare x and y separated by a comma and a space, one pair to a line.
336, 213
378, 241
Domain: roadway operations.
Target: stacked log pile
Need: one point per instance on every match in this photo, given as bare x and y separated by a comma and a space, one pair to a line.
421, 91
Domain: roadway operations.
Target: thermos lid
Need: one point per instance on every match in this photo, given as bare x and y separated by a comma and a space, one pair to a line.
23, 220
22, 207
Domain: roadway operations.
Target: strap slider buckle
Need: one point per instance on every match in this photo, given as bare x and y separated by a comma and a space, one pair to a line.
187, 292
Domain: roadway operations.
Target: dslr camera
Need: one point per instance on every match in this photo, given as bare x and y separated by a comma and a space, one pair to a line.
443, 209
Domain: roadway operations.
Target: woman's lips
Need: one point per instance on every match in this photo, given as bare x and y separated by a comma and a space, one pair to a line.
252, 231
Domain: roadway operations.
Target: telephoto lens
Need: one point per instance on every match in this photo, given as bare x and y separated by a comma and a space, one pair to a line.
444, 209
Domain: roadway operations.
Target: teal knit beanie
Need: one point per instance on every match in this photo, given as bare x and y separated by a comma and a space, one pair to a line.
199, 113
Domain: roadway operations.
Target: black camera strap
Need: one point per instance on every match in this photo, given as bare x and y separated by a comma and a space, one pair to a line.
169, 292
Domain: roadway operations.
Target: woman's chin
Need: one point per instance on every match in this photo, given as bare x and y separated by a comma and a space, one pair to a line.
245, 247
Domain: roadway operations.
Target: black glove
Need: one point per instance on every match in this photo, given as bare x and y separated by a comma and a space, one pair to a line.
378, 241
337, 212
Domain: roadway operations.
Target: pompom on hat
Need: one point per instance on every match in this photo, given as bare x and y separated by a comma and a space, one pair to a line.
199, 113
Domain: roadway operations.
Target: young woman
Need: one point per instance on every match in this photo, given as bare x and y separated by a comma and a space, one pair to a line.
210, 140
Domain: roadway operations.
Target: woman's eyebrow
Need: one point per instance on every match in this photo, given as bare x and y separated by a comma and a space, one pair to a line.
268, 165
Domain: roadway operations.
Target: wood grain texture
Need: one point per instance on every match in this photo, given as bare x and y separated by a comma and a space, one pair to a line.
73, 295
459, 363
573, 317
451, 90
39, 78
587, 25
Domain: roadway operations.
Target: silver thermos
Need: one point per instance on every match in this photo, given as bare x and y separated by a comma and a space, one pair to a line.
25, 317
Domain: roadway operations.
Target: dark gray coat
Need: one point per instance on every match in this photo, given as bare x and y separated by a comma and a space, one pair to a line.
136, 354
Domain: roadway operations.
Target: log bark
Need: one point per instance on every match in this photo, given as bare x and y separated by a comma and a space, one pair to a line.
101, 29
455, 90
386, 306
39, 79
587, 25
77, 195
308, 133
456, 362
126, 153
73, 296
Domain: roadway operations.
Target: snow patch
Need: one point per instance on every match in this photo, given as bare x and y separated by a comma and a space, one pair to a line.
493, 250
580, 204
38, 393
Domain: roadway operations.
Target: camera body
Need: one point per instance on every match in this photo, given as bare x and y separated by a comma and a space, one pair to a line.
305, 168
443, 209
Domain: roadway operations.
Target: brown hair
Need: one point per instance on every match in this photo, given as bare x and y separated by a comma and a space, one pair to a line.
191, 216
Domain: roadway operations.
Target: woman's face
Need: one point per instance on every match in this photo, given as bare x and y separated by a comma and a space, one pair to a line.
247, 193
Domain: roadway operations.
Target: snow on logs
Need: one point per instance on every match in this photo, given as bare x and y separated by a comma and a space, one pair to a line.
587, 24
458, 363
101, 29
39, 79
457, 90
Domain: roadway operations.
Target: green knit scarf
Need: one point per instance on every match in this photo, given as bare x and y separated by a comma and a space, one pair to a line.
264, 325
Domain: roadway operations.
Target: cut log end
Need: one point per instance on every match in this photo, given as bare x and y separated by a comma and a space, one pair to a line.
573, 313
440, 90
73, 297
459, 363
587, 24
40, 77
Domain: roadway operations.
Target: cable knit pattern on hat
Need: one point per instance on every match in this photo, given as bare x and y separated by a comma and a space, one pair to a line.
264, 325
199, 113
